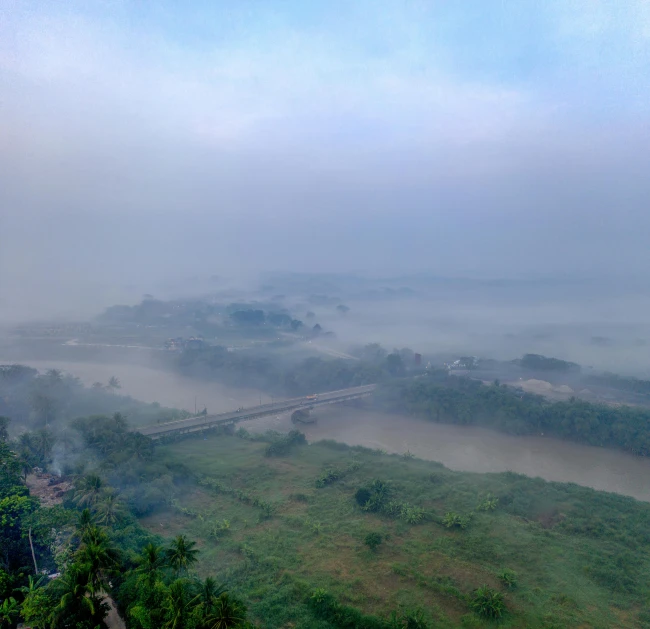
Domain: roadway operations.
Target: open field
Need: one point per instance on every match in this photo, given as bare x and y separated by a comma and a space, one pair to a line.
266, 527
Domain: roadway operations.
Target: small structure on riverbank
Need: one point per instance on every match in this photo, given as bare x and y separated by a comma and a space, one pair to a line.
303, 416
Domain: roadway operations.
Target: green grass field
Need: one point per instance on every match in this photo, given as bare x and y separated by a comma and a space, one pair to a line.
266, 528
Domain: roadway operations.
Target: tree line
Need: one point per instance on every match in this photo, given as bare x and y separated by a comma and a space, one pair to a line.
64, 567
308, 376
459, 400
43, 400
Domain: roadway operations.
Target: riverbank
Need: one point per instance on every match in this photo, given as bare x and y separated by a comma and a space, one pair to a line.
462, 448
473, 449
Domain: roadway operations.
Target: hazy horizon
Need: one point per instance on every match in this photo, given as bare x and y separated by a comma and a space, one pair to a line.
143, 144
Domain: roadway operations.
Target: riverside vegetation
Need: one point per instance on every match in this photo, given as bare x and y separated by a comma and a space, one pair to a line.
320, 535
230, 529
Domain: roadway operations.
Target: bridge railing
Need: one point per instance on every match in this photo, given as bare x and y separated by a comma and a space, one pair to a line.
199, 422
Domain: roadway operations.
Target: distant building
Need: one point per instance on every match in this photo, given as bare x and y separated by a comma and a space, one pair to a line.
417, 359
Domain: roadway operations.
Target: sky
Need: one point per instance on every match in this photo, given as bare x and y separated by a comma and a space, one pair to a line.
142, 141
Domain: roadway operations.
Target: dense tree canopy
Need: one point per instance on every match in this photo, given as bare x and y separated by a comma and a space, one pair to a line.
465, 401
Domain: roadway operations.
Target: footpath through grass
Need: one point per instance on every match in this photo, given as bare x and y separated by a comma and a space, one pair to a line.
291, 533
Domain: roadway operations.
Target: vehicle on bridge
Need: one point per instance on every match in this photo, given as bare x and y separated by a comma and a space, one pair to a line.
312, 397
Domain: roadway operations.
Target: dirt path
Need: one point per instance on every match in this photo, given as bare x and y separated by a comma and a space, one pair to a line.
113, 620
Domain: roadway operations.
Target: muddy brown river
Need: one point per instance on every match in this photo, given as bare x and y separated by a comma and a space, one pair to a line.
458, 447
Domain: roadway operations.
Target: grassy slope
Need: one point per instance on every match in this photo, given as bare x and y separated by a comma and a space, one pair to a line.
581, 556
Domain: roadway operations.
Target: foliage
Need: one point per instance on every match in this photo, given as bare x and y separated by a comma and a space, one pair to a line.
47, 400
461, 400
408, 620
332, 474
535, 362
454, 520
327, 608
508, 578
181, 554
283, 444
488, 603
372, 540
489, 503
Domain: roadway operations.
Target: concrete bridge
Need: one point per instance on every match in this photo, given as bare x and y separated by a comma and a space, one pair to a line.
194, 424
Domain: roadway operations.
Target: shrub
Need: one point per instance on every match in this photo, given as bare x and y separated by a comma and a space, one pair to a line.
411, 514
488, 603
327, 608
362, 496
508, 578
329, 476
489, 504
372, 540
456, 520
281, 445
411, 619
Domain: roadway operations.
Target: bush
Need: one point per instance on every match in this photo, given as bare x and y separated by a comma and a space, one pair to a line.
282, 445
411, 514
488, 603
372, 540
489, 504
508, 578
327, 608
408, 620
328, 477
456, 520
362, 496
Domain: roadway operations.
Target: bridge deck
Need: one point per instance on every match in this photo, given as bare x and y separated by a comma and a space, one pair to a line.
206, 421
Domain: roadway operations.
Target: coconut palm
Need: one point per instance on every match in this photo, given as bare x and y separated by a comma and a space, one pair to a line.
97, 557
150, 563
209, 591
110, 509
85, 520
88, 490
181, 554
178, 605
43, 407
226, 613
114, 383
79, 603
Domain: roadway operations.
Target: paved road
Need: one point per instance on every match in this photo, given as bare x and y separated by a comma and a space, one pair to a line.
205, 421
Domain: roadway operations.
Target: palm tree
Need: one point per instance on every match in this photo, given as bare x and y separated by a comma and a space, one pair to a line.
79, 602
43, 406
114, 384
150, 562
85, 520
88, 490
178, 605
226, 613
181, 554
97, 557
110, 509
209, 592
